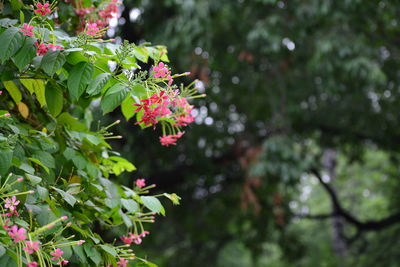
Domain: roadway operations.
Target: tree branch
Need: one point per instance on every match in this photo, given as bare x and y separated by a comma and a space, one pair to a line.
338, 210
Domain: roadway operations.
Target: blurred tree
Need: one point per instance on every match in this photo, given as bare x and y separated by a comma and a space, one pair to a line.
287, 82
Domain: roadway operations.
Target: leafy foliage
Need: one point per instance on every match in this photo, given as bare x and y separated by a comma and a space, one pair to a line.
55, 74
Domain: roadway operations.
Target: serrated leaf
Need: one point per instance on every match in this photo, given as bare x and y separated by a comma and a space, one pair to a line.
98, 84
79, 78
13, 90
52, 61
54, 99
153, 204
113, 97
10, 41
25, 54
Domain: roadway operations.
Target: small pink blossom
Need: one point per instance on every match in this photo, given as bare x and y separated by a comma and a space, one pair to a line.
17, 234
12, 203
144, 233
41, 49
161, 70
7, 115
122, 262
140, 183
54, 47
32, 264
63, 262
27, 30
168, 140
127, 239
43, 9
31, 246
57, 254
92, 29
136, 238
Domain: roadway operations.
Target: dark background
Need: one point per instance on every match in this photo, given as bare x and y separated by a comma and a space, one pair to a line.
293, 159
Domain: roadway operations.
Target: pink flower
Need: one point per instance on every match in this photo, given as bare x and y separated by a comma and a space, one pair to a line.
167, 140
54, 47
92, 29
7, 115
136, 238
12, 203
41, 49
17, 234
140, 183
144, 233
43, 9
63, 262
27, 30
31, 246
127, 240
161, 70
122, 262
32, 264
57, 254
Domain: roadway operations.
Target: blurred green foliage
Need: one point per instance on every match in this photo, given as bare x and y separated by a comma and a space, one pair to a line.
286, 82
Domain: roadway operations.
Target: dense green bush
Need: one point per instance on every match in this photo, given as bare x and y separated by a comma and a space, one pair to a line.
55, 162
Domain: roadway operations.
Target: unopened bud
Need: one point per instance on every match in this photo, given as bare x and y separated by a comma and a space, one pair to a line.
31, 191
80, 242
20, 179
64, 218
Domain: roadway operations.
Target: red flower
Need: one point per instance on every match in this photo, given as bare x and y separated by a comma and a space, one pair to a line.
27, 30
43, 9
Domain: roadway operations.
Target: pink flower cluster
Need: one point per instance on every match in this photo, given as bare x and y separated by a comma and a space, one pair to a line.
31, 246
122, 262
92, 29
162, 71
132, 238
27, 30
167, 140
42, 48
140, 183
99, 16
42, 9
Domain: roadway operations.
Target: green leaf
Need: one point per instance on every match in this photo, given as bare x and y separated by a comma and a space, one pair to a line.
153, 204
113, 97
54, 99
128, 110
52, 61
173, 197
98, 84
2, 251
79, 78
92, 253
5, 160
33, 179
78, 250
10, 41
121, 165
13, 90
43, 192
125, 218
36, 86
109, 250
139, 90
26, 54
130, 205
45, 158
34, 160
70, 199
